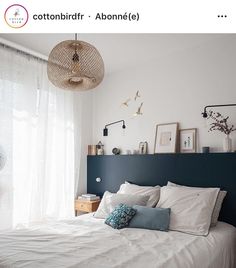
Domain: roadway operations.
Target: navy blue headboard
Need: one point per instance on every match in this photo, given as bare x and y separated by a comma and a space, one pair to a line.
199, 170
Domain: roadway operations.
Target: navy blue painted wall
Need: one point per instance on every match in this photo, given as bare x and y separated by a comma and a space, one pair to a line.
199, 170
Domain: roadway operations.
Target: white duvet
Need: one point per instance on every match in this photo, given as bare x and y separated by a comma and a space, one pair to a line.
88, 242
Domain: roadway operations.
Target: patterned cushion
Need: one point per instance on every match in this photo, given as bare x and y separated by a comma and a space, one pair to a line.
120, 216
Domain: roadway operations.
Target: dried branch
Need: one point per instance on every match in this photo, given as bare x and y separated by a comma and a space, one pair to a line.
221, 123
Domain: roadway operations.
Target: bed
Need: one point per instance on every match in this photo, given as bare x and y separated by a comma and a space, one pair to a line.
88, 242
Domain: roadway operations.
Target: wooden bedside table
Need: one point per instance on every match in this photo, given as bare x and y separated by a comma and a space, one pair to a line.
86, 206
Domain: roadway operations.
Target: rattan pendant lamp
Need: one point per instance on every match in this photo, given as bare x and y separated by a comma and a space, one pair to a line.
75, 65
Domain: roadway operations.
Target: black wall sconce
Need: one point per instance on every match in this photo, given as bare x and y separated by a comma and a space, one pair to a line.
204, 114
105, 130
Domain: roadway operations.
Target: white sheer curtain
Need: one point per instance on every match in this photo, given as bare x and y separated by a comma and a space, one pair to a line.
42, 139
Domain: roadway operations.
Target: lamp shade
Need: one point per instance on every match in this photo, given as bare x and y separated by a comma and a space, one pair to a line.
75, 65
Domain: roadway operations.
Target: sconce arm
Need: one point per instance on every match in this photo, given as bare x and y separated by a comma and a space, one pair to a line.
116, 123
204, 114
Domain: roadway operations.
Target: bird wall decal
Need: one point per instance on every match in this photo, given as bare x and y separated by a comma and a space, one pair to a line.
126, 103
135, 99
137, 95
139, 110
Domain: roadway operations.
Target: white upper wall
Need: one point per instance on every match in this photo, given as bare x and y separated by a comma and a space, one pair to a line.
177, 75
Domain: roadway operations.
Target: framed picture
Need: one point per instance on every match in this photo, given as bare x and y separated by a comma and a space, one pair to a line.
188, 140
143, 147
166, 138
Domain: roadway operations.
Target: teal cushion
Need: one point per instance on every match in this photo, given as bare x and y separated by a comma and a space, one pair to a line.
151, 218
120, 216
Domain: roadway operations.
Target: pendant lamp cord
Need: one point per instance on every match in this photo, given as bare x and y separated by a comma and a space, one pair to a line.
76, 55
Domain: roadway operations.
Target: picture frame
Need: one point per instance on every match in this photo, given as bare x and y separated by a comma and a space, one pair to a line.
166, 138
188, 140
143, 147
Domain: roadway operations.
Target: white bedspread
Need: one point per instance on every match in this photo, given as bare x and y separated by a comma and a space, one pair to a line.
88, 242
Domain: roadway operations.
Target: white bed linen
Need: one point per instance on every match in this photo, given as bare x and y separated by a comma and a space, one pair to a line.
88, 242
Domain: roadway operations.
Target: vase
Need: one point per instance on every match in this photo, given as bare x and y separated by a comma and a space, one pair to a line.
227, 144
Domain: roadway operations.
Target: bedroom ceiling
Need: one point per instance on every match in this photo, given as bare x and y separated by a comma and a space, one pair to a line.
117, 50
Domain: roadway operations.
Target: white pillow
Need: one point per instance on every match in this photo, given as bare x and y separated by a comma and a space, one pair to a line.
217, 208
153, 192
191, 209
110, 201
218, 204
